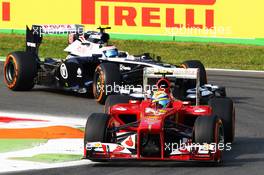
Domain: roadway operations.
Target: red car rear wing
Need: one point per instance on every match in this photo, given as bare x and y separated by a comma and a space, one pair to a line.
178, 73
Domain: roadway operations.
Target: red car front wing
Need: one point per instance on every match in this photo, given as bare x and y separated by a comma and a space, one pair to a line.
110, 151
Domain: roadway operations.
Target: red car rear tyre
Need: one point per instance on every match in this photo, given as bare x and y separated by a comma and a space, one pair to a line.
224, 108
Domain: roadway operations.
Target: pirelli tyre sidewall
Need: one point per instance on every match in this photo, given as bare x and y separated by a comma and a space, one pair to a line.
210, 130
96, 131
20, 69
106, 76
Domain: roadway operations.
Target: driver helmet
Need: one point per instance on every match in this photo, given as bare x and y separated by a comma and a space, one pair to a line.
161, 98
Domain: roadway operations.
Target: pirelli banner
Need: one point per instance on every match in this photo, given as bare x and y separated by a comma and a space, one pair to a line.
236, 21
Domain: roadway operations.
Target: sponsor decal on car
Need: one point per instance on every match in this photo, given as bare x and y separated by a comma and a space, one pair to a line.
129, 142
199, 110
79, 73
120, 109
63, 71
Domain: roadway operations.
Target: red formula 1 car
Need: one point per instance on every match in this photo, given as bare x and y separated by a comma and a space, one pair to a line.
161, 127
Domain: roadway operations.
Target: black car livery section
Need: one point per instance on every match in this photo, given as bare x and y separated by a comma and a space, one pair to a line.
83, 74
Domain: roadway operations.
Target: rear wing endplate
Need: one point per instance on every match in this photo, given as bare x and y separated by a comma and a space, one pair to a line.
35, 34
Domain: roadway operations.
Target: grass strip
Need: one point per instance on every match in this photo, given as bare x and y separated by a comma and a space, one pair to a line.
50, 158
8, 145
213, 55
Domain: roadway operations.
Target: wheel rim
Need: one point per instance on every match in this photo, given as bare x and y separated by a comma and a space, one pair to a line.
99, 85
10, 72
233, 125
220, 140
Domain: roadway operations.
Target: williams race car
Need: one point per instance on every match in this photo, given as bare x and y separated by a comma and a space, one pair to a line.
91, 65
161, 127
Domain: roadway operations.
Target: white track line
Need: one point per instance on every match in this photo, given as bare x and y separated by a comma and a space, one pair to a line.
234, 70
65, 146
57, 118
27, 166
53, 146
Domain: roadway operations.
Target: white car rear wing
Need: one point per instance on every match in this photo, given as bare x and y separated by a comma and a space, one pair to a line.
35, 34
178, 73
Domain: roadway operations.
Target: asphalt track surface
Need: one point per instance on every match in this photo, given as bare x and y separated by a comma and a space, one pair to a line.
246, 156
